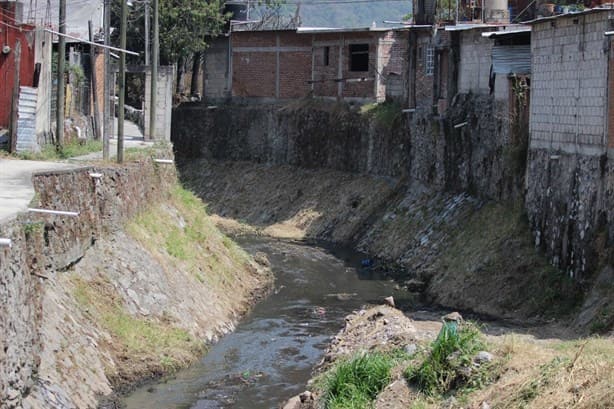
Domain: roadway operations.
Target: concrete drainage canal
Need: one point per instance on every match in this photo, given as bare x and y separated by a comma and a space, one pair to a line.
270, 356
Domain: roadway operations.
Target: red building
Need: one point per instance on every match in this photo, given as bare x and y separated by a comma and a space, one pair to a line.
17, 43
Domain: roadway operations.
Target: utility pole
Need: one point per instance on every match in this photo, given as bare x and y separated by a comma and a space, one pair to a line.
146, 32
107, 121
122, 82
155, 52
61, 68
94, 84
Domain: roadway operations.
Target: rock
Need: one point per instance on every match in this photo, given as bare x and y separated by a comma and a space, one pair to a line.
389, 301
411, 349
293, 403
485, 405
415, 285
482, 357
453, 317
262, 259
306, 396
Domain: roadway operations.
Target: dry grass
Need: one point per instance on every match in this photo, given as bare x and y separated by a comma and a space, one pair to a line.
551, 374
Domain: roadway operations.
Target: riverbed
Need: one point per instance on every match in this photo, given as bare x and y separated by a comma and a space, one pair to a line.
270, 355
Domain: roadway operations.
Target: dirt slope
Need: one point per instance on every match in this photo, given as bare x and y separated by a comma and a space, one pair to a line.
453, 249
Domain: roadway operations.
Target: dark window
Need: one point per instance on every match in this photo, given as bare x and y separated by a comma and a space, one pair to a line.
326, 56
359, 57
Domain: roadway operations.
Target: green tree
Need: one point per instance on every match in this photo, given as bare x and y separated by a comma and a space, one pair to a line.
184, 26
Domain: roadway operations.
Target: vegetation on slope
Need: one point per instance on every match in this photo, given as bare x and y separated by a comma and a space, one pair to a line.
184, 247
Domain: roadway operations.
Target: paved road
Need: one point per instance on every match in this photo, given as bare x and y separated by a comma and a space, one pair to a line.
16, 189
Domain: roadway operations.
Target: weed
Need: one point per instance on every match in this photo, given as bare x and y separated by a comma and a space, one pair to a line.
450, 357
386, 114
32, 228
69, 150
356, 382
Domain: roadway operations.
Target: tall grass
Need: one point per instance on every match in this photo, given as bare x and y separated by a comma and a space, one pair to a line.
451, 352
354, 384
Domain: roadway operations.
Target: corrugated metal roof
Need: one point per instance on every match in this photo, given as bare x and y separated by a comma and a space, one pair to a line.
510, 30
511, 59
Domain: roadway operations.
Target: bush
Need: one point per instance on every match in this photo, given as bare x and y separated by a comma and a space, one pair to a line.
355, 383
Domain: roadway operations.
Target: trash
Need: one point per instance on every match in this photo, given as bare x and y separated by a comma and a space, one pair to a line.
367, 262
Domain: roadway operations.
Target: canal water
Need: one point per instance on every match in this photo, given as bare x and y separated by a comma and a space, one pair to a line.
269, 357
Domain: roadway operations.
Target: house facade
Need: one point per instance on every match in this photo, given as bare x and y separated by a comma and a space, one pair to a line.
569, 171
350, 64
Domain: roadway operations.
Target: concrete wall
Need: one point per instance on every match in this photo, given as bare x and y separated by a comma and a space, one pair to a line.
570, 178
474, 62
43, 104
44, 245
216, 79
164, 102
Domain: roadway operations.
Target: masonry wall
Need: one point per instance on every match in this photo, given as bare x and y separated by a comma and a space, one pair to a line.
392, 57
570, 178
336, 79
569, 83
474, 62
271, 64
319, 133
45, 245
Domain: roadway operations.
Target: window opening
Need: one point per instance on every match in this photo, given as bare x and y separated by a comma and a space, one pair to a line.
359, 57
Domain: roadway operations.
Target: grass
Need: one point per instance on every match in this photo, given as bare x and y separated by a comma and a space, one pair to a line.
183, 232
451, 354
355, 383
69, 150
157, 341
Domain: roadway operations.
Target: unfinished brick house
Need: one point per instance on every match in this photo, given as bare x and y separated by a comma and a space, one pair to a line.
569, 171
351, 64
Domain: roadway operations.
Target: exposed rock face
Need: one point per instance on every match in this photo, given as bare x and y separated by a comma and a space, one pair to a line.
480, 157
569, 206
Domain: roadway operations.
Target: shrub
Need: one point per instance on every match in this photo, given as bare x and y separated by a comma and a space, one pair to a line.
449, 363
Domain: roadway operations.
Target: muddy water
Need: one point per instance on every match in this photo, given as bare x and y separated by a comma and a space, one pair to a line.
270, 355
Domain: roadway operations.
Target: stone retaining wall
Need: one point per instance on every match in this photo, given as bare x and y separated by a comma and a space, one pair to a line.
44, 245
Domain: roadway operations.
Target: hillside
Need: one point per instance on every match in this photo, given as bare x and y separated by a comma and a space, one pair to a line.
345, 13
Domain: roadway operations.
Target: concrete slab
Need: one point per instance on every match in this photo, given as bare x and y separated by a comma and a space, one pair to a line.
16, 189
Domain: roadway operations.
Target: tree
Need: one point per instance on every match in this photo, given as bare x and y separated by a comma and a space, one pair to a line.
184, 27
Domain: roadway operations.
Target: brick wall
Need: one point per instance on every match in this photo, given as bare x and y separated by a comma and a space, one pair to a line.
569, 80
424, 79
271, 64
391, 65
